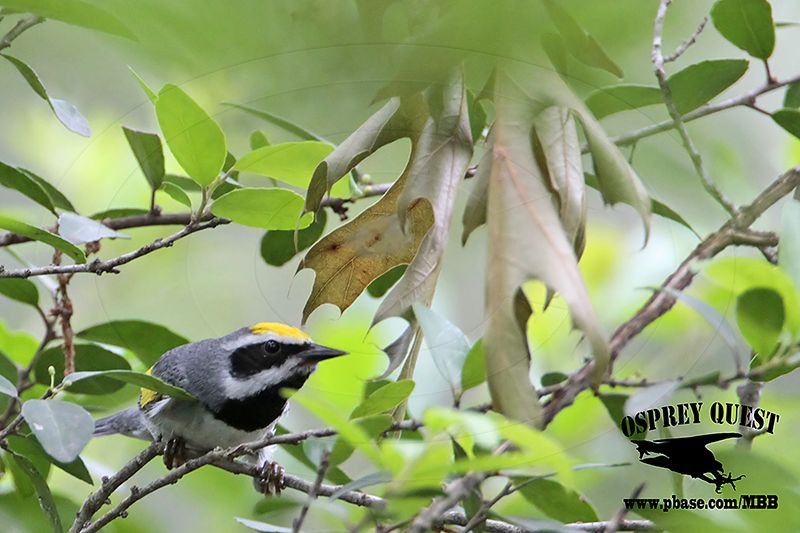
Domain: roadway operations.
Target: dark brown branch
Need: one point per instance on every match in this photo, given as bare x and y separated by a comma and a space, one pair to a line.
733, 232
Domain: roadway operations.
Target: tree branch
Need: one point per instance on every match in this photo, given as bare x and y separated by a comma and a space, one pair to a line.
733, 232
19, 28
687, 43
697, 160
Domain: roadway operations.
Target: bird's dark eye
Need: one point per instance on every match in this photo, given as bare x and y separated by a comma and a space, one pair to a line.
272, 347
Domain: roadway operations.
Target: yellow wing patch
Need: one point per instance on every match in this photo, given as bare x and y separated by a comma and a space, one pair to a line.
147, 396
279, 329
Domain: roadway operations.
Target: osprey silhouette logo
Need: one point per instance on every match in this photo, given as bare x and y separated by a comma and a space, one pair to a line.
689, 456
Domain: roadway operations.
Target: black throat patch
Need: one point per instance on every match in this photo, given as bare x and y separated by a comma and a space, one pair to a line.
261, 409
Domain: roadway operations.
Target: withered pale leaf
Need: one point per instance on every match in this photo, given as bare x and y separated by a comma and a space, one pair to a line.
352, 256
558, 137
395, 120
526, 241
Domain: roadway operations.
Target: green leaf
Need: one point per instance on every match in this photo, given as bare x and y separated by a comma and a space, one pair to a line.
7, 388
21, 290
788, 119
553, 378
151, 95
258, 140
145, 381
447, 345
789, 243
44, 236
56, 197
747, 24
292, 163
30, 448
663, 210
87, 357
78, 229
196, 141
146, 340
557, 501
75, 12
62, 428
15, 179
374, 426
281, 122
474, 371
43, 494
792, 97
580, 44
278, 246
385, 281
146, 147
616, 98
760, 316
67, 113
176, 193
614, 402
384, 399
269, 208
699, 83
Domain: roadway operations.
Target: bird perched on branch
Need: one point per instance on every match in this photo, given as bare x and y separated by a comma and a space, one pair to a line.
236, 381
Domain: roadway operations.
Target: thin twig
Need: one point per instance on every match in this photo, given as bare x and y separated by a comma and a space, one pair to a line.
18, 29
661, 75
313, 492
687, 43
615, 523
480, 515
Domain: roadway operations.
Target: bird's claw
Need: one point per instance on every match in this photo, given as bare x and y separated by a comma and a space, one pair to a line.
270, 479
174, 452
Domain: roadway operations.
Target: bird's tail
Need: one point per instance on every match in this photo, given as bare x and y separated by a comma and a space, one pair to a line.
129, 422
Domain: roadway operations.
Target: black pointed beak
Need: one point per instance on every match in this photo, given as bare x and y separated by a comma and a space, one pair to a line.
316, 353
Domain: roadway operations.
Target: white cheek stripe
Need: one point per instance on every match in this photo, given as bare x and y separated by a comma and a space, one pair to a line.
237, 389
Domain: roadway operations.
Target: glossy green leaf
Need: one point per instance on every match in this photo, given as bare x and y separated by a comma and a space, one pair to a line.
580, 44
67, 113
62, 428
788, 119
258, 140
699, 83
616, 98
474, 371
146, 147
386, 281
87, 357
146, 340
193, 137
151, 95
292, 163
75, 12
43, 494
557, 501
789, 243
278, 246
792, 97
384, 399
446, 343
30, 448
176, 193
21, 290
268, 208
37, 234
553, 378
7, 388
760, 316
139, 379
78, 229
56, 197
747, 24
15, 179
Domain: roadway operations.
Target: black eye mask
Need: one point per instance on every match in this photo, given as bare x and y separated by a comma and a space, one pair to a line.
252, 359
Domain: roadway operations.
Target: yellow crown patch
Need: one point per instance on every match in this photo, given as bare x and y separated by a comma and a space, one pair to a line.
279, 329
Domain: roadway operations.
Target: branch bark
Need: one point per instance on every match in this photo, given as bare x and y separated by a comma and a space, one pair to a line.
18, 29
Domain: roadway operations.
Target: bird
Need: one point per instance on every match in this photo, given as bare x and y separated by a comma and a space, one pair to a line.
689, 456
236, 382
